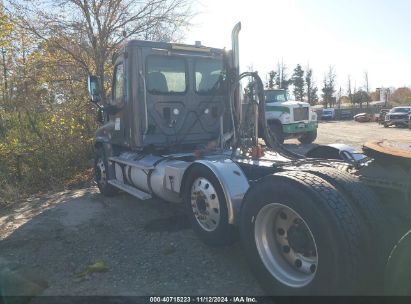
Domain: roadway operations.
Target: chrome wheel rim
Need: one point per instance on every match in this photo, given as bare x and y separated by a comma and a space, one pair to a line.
205, 204
286, 245
101, 174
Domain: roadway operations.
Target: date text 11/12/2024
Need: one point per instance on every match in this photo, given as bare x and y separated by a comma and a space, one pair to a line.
204, 299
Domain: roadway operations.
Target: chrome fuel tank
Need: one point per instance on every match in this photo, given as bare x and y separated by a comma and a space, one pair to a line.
153, 174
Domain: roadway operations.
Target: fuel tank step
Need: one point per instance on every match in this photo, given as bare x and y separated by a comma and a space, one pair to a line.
144, 164
129, 189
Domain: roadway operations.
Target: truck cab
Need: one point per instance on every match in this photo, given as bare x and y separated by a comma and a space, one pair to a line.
164, 96
397, 116
288, 118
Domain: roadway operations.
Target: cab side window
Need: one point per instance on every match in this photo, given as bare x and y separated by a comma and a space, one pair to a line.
118, 84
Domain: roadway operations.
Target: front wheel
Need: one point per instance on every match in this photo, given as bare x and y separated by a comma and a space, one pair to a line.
308, 138
206, 207
274, 135
301, 236
102, 173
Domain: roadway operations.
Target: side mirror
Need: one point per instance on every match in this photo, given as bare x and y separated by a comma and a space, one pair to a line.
93, 87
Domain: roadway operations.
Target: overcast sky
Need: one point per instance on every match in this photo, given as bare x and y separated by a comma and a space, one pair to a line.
351, 35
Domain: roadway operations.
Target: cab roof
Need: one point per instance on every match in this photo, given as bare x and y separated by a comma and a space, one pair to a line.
173, 46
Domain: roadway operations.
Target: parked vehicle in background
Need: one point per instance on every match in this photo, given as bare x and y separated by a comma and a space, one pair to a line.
289, 118
346, 114
328, 114
363, 117
409, 121
398, 116
381, 116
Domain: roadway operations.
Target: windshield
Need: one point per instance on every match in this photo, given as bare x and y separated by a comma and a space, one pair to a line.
208, 72
275, 96
400, 110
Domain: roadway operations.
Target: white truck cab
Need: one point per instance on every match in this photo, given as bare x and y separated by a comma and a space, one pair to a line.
288, 118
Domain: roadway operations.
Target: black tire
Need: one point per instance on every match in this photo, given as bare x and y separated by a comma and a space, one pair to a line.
385, 125
344, 167
224, 233
334, 225
398, 270
369, 207
276, 132
308, 137
101, 173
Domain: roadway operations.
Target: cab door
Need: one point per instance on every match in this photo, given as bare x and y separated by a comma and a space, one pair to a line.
118, 119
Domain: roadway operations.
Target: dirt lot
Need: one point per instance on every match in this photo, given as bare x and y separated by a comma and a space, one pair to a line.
352, 133
81, 243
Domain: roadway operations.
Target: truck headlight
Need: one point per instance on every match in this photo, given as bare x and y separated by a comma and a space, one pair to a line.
313, 116
286, 118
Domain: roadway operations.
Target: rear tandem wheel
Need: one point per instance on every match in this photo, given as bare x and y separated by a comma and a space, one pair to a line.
372, 214
302, 237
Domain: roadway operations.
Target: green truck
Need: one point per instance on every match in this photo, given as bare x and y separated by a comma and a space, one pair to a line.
288, 118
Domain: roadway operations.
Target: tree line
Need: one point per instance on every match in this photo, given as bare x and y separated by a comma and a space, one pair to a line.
302, 82
304, 88
47, 49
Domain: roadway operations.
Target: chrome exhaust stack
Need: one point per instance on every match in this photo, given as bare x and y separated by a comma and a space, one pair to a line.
235, 46
236, 65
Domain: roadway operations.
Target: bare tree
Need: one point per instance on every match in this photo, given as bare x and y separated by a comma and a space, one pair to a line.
90, 31
349, 90
271, 80
281, 79
366, 86
329, 87
6, 28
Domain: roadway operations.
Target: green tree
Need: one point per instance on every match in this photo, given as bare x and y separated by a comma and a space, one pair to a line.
312, 96
297, 79
329, 88
360, 96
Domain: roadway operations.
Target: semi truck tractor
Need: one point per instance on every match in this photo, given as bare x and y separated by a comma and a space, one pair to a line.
174, 128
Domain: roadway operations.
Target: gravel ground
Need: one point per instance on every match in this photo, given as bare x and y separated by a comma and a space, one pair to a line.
81, 243
143, 247
351, 133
